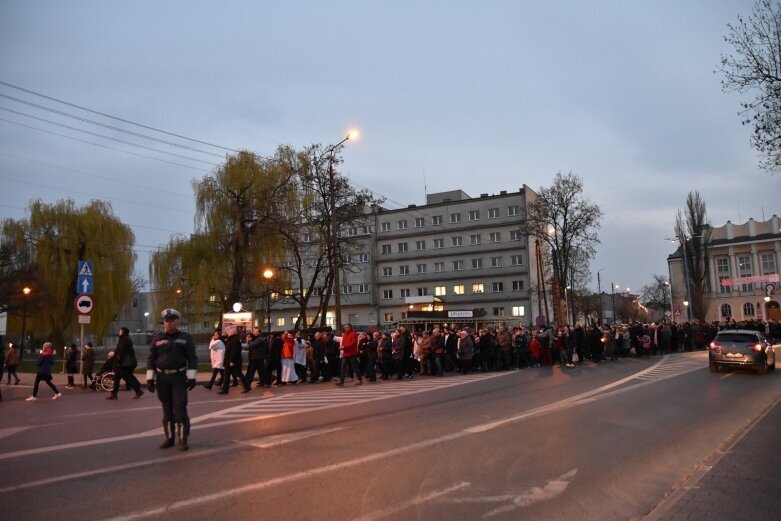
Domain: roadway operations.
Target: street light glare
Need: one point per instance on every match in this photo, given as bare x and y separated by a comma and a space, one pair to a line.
268, 273
353, 134
26, 290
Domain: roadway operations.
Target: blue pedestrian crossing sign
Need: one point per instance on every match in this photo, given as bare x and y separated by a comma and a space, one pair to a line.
85, 268
84, 278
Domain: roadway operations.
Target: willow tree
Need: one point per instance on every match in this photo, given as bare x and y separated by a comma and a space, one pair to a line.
55, 237
566, 221
239, 209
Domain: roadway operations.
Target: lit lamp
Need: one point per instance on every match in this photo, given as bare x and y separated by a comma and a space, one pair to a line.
268, 274
237, 307
26, 292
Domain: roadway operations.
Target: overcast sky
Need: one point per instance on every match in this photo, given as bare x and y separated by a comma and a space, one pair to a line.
479, 96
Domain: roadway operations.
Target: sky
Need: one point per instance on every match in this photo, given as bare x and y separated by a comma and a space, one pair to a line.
479, 96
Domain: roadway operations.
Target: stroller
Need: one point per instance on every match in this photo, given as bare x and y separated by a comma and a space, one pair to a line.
104, 378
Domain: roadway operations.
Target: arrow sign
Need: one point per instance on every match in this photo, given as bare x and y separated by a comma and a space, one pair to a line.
83, 304
84, 284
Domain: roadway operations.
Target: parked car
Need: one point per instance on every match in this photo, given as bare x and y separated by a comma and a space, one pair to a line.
741, 348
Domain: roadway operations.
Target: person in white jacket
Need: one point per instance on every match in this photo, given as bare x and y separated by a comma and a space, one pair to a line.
299, 356
216, 353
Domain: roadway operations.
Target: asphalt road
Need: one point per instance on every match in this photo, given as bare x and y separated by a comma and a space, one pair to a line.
613, 441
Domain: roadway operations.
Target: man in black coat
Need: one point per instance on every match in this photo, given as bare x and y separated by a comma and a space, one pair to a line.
232, 362
124, 365
258, 351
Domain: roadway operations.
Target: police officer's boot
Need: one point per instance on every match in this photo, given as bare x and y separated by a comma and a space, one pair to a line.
184, 431
168, 427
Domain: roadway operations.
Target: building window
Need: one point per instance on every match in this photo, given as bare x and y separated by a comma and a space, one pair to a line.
306, 238
386, 227
519, 311
353, 231
347, 289
387, 294
403, 224
478, 287
498, 312
515, 235
420, 222
420, 245
280, 322
474, 215
455, 218
494, 237
722, 270
404, 292
386, 249
517, 285
402, 247
387, 271
134, 302
748, 309
456, 241
363, 288
404, 270
497, 287
512, 210
440, 291
744, 268
458, 289
439, 267
474, 240
496, 262
458, 265
768, 264
422, 292
436, 220
493, 213
516, 260
363, 258
477, 264
387, 317
439, 243
726, 311
421, 268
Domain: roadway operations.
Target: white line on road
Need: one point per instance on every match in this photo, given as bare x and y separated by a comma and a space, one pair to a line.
223, 495
404, 505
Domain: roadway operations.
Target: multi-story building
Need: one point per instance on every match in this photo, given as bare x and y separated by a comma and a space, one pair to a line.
456, 258
743, 272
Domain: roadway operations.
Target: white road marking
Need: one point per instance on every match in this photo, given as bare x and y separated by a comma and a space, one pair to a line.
553, 486
281, 439
11, 430
404, 505
551, 490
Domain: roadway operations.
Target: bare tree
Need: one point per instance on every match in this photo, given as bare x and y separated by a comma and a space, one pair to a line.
756, 66
566, 221
693, 232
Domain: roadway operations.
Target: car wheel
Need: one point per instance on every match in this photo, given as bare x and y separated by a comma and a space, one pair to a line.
762, 369
713, 367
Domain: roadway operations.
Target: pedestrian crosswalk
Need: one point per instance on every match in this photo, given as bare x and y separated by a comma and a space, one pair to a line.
326, 396
675, 365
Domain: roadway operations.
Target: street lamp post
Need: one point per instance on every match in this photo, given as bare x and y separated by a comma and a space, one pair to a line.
613, 297
26, 292
268, 274
335, 255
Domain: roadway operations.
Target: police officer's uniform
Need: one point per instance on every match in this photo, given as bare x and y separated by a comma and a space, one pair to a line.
172, 367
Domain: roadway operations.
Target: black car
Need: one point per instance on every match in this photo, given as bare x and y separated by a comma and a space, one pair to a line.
741, 348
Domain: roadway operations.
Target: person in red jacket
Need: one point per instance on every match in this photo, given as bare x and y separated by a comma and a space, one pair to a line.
534, 349
348, 351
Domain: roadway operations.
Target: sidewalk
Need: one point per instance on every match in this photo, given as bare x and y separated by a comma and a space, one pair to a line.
741, 483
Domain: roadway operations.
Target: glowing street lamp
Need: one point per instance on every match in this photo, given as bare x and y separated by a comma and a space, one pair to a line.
26, 292
268, 274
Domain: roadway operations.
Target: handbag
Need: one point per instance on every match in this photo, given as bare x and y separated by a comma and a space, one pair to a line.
575, 358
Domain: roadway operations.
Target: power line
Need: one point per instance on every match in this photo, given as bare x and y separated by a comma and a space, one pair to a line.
100, 145
82, 172
115, 117
105, 137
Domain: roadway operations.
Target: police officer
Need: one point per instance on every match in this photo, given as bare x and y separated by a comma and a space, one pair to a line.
172, 367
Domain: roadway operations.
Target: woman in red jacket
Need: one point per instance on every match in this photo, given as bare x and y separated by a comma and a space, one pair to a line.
288, 353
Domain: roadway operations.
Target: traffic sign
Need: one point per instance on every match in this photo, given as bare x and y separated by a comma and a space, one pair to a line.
85, 268
84, 319
84, 285
83, 304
